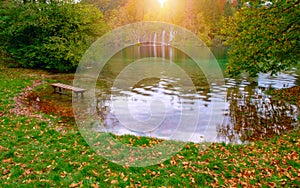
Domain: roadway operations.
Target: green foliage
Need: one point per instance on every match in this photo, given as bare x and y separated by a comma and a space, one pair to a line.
50, 36
212, 11
105, 5
228, 10
263, 38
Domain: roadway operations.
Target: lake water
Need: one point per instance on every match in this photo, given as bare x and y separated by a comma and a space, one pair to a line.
237, 111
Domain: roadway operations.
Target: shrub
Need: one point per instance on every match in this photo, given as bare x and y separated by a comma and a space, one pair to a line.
50, 36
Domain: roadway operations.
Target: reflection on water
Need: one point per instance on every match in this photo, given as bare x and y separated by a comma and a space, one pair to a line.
252, 115
247, 113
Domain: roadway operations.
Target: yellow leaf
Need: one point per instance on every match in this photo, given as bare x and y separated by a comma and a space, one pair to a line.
114, 181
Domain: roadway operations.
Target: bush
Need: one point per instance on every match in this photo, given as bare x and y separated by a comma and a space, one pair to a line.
50, 36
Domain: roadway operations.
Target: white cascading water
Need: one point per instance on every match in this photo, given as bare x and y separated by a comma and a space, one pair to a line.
154, 45
163, 44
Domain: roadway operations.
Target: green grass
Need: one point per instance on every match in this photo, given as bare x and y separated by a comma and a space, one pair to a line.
33, 153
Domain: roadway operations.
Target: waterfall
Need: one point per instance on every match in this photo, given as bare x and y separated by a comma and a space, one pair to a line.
163, 37
163, 44
150, 44
154, 45
169, 47
171, 37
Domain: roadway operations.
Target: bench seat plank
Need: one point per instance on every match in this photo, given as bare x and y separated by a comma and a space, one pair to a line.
68, 87
61, 86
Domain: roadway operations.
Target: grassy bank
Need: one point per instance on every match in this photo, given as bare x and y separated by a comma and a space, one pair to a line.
48, 150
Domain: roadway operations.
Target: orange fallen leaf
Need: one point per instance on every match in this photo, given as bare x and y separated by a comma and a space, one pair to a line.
76, 184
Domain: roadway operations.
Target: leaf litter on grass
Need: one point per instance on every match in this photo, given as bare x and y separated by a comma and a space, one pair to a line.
34, 154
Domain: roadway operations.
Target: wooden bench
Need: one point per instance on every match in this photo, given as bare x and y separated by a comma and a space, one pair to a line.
62, 87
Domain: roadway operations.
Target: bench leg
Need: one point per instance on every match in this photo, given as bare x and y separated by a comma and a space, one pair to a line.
76, 98
60, 90
54, 89
73, 97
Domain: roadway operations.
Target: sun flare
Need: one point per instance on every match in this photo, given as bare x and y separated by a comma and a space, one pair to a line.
162, 2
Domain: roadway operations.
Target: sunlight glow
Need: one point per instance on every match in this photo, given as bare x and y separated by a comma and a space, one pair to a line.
162, 2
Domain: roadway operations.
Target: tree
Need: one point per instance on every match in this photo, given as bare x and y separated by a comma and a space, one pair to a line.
228, 10
212, 11
263, 38
105, 5
50, 36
